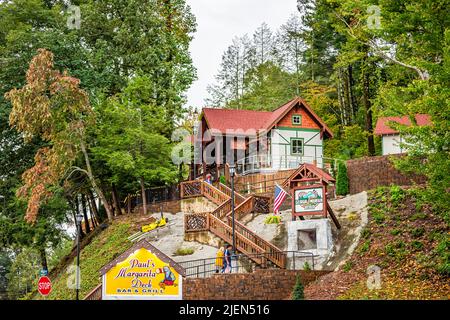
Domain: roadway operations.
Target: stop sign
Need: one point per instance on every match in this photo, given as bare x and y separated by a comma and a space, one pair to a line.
44, 285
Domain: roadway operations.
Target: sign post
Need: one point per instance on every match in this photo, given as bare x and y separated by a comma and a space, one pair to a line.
44, 286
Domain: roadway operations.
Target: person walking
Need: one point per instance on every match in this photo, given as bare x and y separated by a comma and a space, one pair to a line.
219, 260
227, 259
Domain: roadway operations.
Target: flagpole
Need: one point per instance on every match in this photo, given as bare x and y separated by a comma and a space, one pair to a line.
287, 193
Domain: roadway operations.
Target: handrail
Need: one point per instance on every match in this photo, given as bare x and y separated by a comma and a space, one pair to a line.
213, 194
243, 244
207, 266
240, 210
227, 190
275, 256
222, 210
95, 294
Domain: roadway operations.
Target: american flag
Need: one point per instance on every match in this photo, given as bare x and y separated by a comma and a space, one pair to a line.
280, 195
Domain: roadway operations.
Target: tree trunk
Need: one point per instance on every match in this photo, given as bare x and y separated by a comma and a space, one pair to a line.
129, 203
94, 184
144, 197
368, 109
116, 200
43, 256
351, 82
93, 206
85, 215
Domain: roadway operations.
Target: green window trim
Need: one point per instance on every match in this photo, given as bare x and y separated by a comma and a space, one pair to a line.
302, 146
296, 116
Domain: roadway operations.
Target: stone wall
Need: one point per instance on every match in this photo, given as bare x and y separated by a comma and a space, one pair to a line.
263, 284
370, 172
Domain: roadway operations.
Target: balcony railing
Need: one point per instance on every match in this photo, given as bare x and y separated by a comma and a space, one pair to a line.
267, 163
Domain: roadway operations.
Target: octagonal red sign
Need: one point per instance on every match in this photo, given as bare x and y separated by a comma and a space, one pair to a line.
44, 285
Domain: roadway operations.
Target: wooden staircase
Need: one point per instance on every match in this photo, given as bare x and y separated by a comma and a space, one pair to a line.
220, 221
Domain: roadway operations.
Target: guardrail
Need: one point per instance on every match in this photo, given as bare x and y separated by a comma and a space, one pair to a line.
202, 268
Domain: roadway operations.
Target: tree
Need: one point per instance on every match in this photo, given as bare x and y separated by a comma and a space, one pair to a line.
148, 37
342, 179
236, 61
297, 292
52, 106
263, 44
130, 140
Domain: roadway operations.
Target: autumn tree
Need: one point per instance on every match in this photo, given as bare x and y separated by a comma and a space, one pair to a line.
52, 106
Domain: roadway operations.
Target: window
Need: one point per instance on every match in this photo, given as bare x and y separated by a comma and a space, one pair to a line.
306, 239
296, 146
297, 119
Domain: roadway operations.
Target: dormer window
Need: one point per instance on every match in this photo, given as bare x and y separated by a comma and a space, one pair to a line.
296, 119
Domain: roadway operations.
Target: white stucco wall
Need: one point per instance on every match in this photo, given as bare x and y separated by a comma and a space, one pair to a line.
391, 144
281, 149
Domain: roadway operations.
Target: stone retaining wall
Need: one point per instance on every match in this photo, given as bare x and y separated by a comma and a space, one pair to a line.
370, 172
263, 284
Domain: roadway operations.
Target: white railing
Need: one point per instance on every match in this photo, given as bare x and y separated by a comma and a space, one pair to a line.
265, 163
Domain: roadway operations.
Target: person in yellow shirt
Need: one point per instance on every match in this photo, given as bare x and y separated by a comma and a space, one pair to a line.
219, 259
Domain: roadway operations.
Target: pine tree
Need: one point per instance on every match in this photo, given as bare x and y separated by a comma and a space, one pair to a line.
342, 180
297, 293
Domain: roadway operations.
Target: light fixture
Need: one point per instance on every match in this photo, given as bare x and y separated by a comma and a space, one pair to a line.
79, 217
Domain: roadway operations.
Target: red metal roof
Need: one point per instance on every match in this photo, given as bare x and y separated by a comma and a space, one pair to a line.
225, 119
221, 120
383, 127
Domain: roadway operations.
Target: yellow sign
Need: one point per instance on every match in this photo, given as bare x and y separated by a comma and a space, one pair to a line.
142, 275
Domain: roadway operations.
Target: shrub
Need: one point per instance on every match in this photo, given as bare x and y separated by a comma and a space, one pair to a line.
306, 266
342, 180
396, 232
273, 219
297, 293
397, 194
222, 179
184, 251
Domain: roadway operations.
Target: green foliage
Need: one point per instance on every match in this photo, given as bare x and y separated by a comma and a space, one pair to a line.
377, 215
418, 216
347, 266
365, 247
365, 233
396, 250
297, 292
184, 251
396, 232
417, 232
342, 187
24, 273
273, 219
416, 245
306, 266
222, 179
397, 195
107, 246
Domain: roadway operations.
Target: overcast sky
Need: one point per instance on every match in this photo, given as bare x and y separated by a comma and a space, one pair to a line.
218, 22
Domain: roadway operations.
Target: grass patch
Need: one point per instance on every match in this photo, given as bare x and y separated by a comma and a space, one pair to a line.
107, 246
